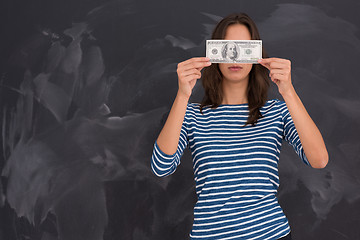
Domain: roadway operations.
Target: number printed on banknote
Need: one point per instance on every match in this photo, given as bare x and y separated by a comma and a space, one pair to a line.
234, 51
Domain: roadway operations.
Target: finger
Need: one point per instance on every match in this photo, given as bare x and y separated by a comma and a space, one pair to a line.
193, 61
199, 69
196, 65
196, 59
266, 65
278, 70
264, 62
277, 76
278, 65
191, 77
273, 59
189, 72
271, 75
275, 65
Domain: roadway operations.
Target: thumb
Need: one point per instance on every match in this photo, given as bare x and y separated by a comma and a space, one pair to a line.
264, 62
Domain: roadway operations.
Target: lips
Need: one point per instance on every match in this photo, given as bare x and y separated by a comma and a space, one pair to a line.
235, 68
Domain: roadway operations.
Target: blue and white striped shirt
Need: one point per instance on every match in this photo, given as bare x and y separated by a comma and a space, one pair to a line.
235, 169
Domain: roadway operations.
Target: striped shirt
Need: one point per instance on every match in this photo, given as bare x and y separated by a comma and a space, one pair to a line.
235, 169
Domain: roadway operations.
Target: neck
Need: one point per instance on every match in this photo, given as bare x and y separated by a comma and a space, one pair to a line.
235, 92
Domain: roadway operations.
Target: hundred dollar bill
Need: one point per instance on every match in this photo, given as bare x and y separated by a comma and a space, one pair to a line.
234, 51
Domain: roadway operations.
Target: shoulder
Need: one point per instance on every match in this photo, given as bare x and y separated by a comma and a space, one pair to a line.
273, 106
193, 107
192, 110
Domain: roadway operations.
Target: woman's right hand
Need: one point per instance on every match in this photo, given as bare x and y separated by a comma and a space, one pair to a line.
188, 72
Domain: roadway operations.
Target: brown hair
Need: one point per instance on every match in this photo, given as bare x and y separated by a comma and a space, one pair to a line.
258, 77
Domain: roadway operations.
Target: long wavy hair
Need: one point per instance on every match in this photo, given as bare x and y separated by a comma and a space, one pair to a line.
259, 82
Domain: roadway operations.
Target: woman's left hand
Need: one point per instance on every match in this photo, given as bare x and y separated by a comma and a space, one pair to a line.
280, 73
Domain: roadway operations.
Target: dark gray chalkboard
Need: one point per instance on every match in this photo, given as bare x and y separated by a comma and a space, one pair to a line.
86, 86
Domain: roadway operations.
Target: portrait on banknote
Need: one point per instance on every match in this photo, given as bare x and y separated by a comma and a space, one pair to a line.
230, 51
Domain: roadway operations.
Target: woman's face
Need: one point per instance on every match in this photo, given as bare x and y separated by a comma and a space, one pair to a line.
236, 71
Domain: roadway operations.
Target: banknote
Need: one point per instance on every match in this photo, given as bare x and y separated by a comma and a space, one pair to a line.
234, 51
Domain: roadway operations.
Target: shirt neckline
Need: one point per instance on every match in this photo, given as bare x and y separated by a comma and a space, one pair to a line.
239, 105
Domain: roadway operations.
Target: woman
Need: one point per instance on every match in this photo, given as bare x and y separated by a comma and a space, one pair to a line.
235, 137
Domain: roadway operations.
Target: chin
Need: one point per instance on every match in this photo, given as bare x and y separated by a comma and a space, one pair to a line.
235, 79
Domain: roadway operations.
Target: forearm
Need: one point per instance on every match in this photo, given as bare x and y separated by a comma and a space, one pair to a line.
168, 138
310, 136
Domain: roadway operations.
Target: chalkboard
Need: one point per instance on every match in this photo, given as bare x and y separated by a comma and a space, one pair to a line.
87, 85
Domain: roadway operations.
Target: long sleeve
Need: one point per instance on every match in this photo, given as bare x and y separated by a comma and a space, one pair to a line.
163, 164
290, 134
